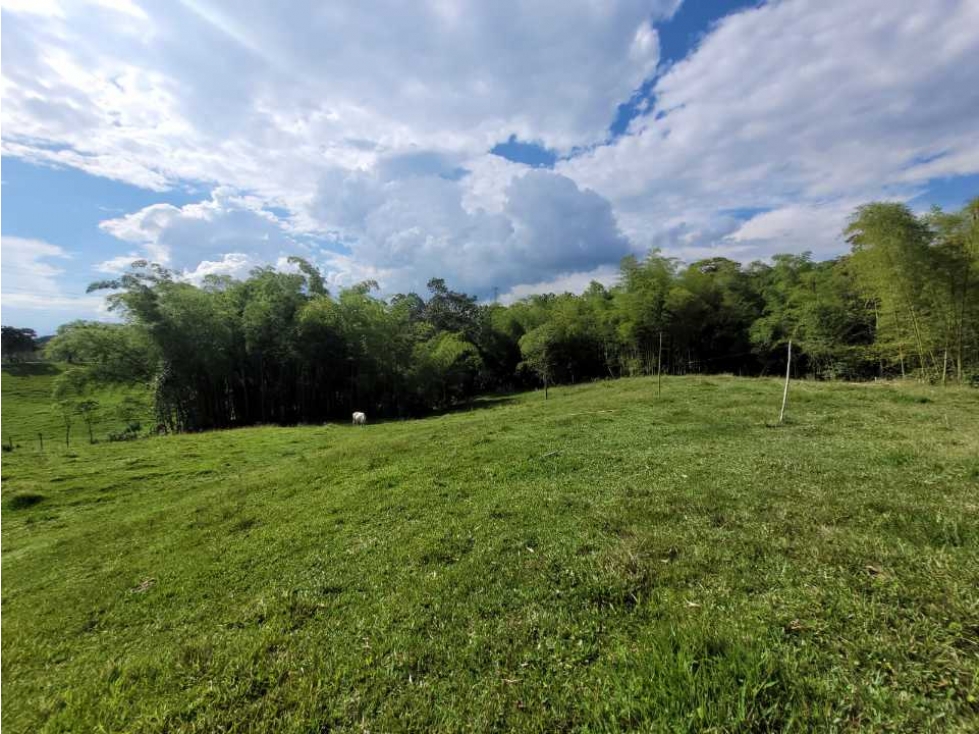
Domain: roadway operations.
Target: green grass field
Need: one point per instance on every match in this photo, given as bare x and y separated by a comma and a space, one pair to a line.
609, 560
29, 409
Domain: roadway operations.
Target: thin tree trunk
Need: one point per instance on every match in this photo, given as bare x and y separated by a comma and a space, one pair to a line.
659, 366
880, 360
961, 336
785, 392
917, 336
914, 318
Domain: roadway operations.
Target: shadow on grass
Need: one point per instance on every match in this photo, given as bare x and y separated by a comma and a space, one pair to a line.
29, 369
480, 403
23, 500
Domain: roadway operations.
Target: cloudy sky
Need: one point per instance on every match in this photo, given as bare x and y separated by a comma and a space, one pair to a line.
519, 146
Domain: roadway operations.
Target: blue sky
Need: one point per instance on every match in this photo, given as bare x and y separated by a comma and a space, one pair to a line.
499, 145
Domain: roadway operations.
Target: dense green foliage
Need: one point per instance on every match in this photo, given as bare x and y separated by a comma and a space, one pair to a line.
922, 275
603, 561
16, 344
278, 348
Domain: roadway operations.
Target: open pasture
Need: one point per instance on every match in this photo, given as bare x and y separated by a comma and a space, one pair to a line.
605, 560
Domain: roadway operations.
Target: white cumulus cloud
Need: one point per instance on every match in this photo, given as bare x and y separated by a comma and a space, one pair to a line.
266, 96
32, 279
201, 234
358, 137
803, 106
417, 228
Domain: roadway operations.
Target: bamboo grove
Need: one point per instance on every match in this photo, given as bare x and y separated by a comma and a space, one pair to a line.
277, 347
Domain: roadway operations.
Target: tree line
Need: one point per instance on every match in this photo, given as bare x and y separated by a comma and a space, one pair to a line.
18, 344
278, 347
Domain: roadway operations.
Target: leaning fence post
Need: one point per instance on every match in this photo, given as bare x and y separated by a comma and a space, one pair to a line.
785, 392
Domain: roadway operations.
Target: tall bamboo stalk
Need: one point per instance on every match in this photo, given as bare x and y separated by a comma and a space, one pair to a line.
659, 366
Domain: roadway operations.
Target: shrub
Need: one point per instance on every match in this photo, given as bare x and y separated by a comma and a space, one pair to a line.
130, 432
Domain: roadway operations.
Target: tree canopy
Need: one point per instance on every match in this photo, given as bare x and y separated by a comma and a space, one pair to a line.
17, 343
279, 347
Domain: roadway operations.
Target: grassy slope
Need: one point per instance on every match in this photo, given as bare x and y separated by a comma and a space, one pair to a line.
28, 408
27, 403
605, 560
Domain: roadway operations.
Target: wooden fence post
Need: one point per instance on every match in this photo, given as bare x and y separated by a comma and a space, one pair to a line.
785, 392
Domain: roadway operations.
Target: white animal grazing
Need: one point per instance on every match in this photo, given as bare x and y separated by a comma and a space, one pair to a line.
360, 419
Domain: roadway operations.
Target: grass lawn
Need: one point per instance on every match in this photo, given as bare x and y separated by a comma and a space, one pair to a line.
605, 561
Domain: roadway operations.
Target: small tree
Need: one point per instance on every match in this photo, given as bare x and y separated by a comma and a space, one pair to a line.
536, 347
66, 409
68, 387
88, 410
